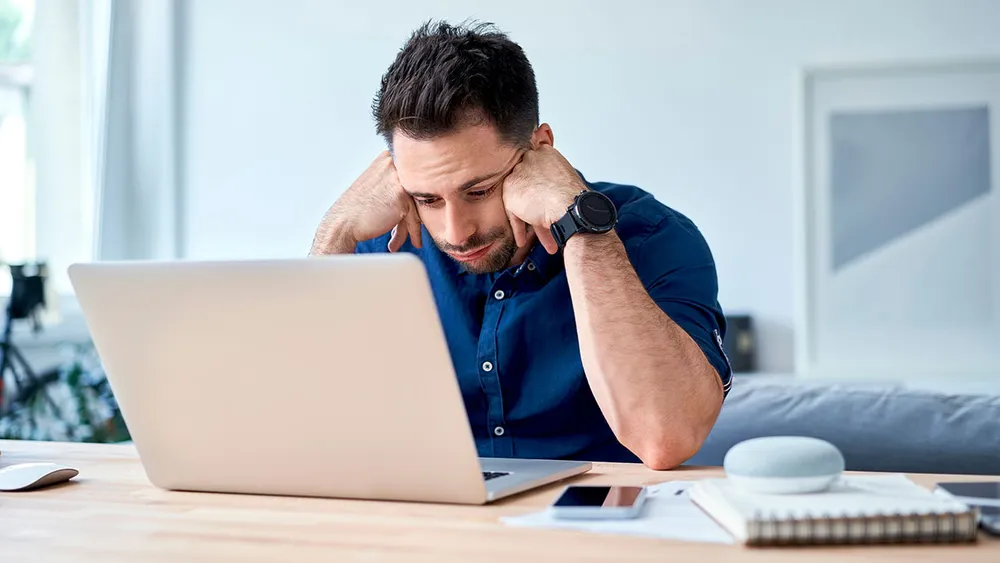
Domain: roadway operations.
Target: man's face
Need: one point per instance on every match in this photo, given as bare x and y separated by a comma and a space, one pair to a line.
456, 182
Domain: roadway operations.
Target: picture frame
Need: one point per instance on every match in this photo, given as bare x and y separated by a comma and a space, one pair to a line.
897, 221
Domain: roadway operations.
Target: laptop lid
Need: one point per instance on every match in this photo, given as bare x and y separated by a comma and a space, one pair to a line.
317, 376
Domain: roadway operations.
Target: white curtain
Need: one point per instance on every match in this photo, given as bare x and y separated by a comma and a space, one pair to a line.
95, 49
133, 128
105, 50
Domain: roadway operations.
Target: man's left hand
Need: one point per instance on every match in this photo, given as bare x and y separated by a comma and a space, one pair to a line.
538, 191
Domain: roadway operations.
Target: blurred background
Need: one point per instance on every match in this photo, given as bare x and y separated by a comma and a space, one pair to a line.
840, 156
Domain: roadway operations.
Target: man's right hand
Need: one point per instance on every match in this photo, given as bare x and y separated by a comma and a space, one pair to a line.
373, 204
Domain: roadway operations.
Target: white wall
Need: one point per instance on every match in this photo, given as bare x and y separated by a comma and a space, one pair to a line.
692, 100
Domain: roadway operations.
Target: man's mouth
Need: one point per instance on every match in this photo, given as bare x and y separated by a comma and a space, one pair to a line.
473, 255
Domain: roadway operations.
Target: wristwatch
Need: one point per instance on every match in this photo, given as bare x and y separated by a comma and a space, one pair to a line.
591, 212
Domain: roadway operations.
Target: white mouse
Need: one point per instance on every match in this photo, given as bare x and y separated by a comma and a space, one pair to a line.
27, 476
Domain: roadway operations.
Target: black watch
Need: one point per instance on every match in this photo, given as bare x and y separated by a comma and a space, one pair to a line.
591, 212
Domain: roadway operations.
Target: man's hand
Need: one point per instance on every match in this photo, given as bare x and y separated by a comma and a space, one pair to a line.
373, 204
538, 191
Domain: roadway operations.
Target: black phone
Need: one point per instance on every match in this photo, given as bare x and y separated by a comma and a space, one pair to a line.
989, 519
984, 495
594, 501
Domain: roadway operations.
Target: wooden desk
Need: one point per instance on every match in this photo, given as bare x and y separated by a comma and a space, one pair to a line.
111, 513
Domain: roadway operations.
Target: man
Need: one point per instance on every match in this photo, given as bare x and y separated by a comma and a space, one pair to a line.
587, 334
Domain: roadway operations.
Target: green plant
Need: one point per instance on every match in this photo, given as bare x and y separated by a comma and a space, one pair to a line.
72, 403
15, 36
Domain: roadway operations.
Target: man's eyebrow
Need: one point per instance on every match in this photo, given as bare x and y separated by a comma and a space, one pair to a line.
421, 195
479, 180
471, 183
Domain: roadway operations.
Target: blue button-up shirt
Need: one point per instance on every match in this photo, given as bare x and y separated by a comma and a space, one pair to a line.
513, 339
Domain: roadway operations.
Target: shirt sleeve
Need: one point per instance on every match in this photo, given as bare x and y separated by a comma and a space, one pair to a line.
376, 245
676, 266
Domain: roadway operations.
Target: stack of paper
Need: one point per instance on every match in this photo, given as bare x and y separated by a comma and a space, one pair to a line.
668, 514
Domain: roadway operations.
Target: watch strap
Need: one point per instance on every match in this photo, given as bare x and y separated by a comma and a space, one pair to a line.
564, 228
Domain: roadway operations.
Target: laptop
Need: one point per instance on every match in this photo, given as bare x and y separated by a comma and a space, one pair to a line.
324, 377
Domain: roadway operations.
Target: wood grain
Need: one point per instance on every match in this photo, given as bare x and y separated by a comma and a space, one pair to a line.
110, 512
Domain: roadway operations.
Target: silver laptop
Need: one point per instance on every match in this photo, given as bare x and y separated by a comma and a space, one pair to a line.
326, 377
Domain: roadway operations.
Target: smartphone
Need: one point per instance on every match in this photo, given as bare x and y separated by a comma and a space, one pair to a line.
598, 502
985, 495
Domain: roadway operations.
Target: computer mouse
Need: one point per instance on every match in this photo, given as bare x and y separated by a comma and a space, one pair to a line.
783, 464
27, 476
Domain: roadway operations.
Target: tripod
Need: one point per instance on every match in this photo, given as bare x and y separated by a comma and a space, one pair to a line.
27, 297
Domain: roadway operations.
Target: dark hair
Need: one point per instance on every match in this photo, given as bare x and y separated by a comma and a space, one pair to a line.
446, 75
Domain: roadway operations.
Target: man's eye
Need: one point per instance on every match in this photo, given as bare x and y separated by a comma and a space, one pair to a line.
422, 201
478, 194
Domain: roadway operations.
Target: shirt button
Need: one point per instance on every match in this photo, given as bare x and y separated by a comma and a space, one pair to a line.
531, 266
487, 366
498, 430
499, 294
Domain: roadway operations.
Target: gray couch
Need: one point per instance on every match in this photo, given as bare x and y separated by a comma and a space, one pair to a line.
877, 427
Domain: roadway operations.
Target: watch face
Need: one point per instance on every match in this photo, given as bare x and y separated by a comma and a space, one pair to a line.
596, 210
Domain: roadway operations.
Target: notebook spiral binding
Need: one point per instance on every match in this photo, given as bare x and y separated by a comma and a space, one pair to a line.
826, 528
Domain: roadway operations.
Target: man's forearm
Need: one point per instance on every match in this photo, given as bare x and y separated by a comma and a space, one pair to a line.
653, 383
333, 237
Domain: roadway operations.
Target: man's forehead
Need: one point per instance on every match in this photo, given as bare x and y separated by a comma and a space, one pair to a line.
441, 165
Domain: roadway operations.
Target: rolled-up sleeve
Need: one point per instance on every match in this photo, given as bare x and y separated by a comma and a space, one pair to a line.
676, 266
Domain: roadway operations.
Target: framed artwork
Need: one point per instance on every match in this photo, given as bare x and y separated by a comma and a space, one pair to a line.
898, 222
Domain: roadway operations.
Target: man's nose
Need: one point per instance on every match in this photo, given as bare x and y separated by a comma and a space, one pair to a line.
459, 226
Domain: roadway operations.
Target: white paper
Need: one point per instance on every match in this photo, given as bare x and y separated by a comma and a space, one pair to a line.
668, 514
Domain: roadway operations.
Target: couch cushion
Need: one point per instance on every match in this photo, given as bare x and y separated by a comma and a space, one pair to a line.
877, 427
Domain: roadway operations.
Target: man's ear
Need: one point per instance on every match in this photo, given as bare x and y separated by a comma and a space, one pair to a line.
542, 136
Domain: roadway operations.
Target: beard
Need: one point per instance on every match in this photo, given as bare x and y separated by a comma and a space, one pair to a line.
497, 259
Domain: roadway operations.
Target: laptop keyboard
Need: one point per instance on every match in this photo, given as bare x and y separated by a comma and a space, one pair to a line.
487, 475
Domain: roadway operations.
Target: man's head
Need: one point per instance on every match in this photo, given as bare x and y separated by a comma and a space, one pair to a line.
457, 108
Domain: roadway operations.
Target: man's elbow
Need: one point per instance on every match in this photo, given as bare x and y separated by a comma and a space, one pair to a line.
663, 443
662, 450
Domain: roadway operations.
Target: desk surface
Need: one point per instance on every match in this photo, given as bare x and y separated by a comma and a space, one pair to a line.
111, 513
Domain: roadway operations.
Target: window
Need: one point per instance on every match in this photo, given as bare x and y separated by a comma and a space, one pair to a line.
46, 195
17, 201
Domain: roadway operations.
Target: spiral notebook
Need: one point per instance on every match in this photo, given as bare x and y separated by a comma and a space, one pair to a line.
856, 509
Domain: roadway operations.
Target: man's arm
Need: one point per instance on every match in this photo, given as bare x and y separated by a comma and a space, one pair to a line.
652, 381
332, 237
645, 329
374, 204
